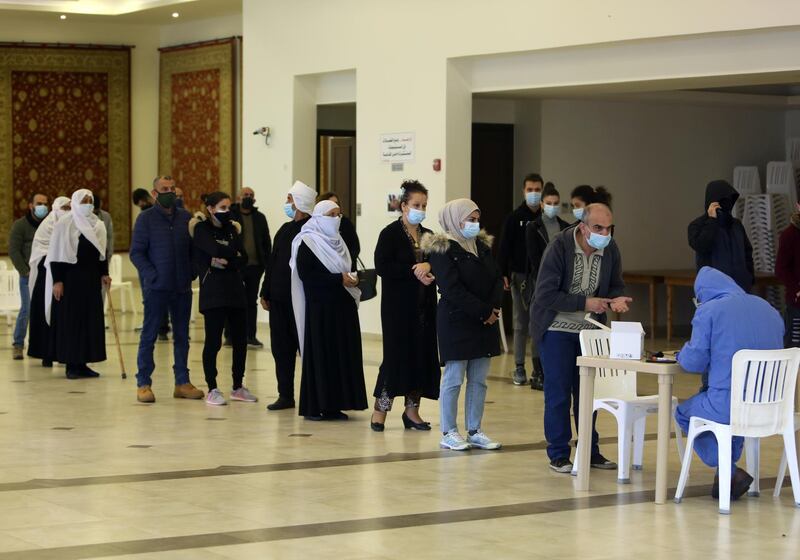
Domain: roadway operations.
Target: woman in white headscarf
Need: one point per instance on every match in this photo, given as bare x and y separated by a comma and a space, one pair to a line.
471, 289
325, 300
76, 260
39, 339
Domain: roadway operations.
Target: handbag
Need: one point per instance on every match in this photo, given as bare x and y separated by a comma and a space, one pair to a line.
367, 281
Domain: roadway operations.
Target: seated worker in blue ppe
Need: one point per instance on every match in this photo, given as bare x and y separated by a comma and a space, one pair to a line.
727, 320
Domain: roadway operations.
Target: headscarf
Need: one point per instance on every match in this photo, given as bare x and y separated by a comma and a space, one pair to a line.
304, 197
64, 239
41, 239
452, 215
321, 235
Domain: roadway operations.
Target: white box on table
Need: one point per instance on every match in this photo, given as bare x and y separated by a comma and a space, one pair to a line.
627, 340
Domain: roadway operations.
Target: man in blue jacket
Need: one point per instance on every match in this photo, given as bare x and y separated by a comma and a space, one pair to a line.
161, 252
727, 320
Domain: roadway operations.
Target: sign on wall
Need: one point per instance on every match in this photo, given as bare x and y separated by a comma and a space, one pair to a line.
397, 147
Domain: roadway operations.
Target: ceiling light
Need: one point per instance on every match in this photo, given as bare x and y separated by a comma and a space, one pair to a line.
175, 14
63, 16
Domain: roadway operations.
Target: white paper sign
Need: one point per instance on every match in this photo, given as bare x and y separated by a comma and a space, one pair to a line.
397, 147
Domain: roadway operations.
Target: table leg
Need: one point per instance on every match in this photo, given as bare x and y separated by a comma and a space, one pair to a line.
664, 425
653, 310
585, 426
669, 313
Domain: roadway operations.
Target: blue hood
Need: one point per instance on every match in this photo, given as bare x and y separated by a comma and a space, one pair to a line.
712, 284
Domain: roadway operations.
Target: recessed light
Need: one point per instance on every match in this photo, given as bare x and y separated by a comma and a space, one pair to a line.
175, 14
63, 16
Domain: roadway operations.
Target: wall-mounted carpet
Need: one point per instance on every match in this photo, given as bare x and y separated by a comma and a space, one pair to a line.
198, 117
65, 125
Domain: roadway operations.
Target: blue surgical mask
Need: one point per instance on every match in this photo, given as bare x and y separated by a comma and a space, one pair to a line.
578, 213
289, 210
550, 211
415, 216
598, 241
86, 209
471, 230
533, 198
40, 211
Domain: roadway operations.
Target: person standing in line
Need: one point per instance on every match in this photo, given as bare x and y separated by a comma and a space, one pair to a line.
258, 246
325, 300
143, 200
39, 330
161, 251
276, 293
538, 235
20, 239
787, 269
513, 260
76, 259
348, 229
410, 365
471, 289
219, 256
584, 195
105, 217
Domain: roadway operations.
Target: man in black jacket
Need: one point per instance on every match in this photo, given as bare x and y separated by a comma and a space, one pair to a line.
258, 246
513, 260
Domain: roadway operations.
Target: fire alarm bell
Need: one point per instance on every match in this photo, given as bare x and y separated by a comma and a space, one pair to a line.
437, 164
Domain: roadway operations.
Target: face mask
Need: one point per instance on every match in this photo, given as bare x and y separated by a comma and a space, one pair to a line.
533, 198
415, 216
597, 241
60, 212
178, 203
40, 211
471, 230
86, 209
578, 213
166, 199
289, 210
329, 225
247, 202
550, 211
223, 217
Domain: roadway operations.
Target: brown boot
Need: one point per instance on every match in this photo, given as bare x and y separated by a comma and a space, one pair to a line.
187, 391
145, 395
17, 354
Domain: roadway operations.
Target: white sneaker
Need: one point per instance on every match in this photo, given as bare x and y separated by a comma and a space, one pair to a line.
455, 441
215, 398
482, 441
243, 394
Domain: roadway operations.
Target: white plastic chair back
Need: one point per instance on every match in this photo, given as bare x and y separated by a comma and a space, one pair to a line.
793, 151
115, 269
746, 180
609, 383
762, 391
781, 180
3, 265
9, 290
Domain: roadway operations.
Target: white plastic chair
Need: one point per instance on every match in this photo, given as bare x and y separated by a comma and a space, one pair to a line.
118, 284
782, 467
9, 294
503, 338
3, 265
195, 304
615, 392
762, 404
781, 180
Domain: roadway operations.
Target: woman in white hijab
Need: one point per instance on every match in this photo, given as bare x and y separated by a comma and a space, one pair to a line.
325, 300
76, 260
39, 339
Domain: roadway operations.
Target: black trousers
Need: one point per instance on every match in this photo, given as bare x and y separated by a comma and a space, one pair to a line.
251, 275
214, 324
283, 340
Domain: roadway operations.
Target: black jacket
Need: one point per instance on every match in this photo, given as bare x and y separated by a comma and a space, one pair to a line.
348, 231
277, 283
536, 241
471, 288
722, 242
261, 227
20, 240
555, 279
219, 287
512, 256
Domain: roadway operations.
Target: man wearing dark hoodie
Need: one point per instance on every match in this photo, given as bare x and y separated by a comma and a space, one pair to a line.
720, 240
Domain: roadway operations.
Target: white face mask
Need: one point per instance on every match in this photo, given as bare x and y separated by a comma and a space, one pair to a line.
329, 225
86, 209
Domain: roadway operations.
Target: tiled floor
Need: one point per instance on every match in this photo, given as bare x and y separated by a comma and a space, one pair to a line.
89, 473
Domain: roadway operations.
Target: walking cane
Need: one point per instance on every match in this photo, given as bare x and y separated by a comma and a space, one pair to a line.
116, 333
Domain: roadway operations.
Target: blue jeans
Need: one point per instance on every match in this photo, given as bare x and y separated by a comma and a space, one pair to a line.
21, 329
705, 445
559, 351
453, 377
180, 309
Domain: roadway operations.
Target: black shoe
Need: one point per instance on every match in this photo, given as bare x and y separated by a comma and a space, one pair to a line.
87, 372
561, 465
227, 343
537, 383
74, 374
740, 483
281, 404
314, 418
47, 363
411, 425
600, 462
162, 337
335, 415
254, 343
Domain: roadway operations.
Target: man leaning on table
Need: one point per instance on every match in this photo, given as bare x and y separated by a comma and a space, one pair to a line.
727, 320
581, 272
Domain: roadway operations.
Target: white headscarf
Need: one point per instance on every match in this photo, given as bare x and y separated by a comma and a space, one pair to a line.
303, 196
64, 239
321, 235
452, 215
41, 239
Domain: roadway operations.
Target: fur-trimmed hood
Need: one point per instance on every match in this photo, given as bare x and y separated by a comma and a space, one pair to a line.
440, 243
200, 217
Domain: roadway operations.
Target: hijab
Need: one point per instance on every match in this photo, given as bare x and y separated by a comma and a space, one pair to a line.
303, 196
321, 235
41, 239
452, 215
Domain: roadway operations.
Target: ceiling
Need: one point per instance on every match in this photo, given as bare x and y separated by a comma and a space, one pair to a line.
122, 11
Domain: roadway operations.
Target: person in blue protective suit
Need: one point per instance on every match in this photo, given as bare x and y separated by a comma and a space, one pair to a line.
727, 320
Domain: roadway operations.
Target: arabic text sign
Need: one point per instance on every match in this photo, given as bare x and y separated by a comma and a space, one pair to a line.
397, 147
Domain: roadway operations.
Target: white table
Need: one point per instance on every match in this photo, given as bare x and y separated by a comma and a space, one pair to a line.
666, 376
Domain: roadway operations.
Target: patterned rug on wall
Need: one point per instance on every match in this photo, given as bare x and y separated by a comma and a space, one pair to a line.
65, 125
198, 116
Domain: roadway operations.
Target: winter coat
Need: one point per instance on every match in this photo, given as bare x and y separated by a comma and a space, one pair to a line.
260, 231
787, 265
20, 240
536, 241
471, 288
161, 250
219, 287
511, 255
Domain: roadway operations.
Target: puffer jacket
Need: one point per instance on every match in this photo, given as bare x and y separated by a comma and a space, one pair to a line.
161, 250
219, 287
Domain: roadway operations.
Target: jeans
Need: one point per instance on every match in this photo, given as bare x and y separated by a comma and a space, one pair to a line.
180, 308
521, 317
21, 328
215, 320
705, 445
559, 351
453, 377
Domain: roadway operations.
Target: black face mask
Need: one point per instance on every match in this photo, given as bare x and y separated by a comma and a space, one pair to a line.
248, 202
223, 217
724, 217
167, 199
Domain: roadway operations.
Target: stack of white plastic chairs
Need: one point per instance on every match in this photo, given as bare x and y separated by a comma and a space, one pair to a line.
746, 181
